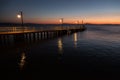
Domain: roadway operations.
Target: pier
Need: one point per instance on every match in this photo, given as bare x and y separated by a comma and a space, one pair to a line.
29, 34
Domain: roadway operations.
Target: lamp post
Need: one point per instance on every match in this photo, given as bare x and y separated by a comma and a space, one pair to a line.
82, 22
20, 16
77, 22
61, 21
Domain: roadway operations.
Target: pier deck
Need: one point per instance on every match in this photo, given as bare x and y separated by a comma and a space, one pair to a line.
27, 34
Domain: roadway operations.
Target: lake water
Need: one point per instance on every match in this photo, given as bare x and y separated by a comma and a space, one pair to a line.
93, 53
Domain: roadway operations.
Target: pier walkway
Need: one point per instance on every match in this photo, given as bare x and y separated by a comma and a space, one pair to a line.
16, 34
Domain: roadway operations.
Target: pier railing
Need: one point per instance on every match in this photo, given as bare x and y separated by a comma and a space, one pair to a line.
11, 35
25, 29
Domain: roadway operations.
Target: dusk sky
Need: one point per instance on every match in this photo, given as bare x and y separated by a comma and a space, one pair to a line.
50, 11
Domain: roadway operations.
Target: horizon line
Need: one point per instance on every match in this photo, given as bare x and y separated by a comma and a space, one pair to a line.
63, 23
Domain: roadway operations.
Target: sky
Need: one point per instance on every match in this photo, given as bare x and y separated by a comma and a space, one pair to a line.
50, 11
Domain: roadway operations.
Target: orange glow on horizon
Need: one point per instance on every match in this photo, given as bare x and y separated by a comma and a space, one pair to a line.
112, 20
104, 21
107, 20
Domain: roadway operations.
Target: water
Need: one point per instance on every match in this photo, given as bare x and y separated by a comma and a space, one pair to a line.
92, 54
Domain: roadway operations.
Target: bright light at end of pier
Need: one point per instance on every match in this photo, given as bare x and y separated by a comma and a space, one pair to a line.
18, 16
60, 21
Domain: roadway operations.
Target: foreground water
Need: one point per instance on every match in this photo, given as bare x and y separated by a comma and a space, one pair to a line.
93, 53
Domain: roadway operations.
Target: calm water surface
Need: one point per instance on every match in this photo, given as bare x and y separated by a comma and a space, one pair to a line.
94, 53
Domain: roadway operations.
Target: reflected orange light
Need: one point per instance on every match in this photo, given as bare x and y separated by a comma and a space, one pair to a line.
60, 45
75, 39
22, 61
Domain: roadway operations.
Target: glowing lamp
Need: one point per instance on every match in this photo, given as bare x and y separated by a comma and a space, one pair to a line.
60, 21
18, 16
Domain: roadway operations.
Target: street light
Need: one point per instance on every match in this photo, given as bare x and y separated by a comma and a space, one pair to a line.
20, 16
77, 22
61, 21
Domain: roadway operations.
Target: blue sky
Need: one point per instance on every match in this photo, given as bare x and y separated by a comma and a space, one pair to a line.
44, 11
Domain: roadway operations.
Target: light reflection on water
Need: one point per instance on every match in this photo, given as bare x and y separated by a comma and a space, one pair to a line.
75, 40
97, 48
60, 45
22, 61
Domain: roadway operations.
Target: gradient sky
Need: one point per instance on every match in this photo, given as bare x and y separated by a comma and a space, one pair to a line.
50, 11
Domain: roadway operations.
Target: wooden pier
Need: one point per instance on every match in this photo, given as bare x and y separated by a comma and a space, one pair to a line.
28, 34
